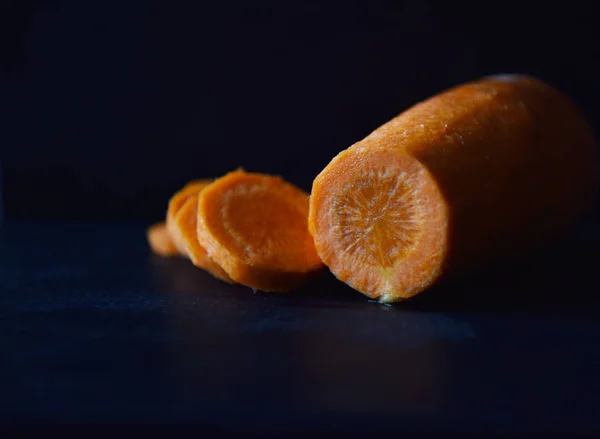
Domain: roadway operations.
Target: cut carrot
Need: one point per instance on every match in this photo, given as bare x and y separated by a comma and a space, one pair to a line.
489, 169
192, 189
159, 240
255, 227
185, 221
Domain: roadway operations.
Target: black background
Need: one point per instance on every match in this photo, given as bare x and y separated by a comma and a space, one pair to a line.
111, 106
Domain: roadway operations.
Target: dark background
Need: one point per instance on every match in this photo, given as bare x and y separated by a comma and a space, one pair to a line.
109, 107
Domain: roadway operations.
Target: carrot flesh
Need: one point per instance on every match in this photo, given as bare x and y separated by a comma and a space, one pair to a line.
159, 240
255, 227
191, 189
185, 221
481, 171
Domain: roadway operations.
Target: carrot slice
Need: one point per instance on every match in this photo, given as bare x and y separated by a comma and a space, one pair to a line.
185, 221
191, 189
255, 227
159, 240
482, 171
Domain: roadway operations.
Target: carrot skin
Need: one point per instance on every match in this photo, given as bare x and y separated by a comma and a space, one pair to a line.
514, 166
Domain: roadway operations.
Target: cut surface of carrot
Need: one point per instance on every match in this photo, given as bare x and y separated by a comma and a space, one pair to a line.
159, 240
485, 170
191, 189
255, 227
185, 221
391, 211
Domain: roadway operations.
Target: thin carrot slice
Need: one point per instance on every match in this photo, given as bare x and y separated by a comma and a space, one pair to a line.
185, 221
159, 240
191, 189
480, 172
255, 227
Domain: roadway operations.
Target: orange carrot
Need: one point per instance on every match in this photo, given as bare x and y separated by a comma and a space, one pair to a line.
192, 189
485, 170
185, 221
255, 227
159, 240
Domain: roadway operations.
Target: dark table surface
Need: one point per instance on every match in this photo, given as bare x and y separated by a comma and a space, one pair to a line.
93, 328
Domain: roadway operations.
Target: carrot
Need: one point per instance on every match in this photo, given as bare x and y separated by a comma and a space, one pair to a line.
185, 221
191, 189
483, 171
255, 227
159, 240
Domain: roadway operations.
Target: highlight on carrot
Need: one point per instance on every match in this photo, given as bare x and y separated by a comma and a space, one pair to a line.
185, 222
255, 227
159, 240
480, 172
191, 189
